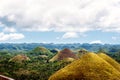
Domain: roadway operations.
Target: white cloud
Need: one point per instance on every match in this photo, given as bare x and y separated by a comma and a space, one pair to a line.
70, 35
57, 37
114, 38
63, 15
9, 29
96, 41
10, 36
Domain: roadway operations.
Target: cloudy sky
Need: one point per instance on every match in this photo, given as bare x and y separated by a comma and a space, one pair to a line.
60, 21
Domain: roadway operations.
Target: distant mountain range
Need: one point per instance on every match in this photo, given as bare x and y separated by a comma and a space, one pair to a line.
30, 46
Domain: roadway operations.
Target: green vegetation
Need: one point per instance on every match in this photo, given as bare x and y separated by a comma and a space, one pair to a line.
35, 67
40, 51
35, 64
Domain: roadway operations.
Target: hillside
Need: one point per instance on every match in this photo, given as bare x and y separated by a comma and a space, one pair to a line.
89, 67
19, 58
40, 51
64, 54
110, 61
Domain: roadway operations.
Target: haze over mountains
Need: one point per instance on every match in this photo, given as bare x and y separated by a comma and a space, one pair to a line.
30, 46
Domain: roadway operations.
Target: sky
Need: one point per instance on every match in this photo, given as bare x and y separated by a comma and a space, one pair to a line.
60, 21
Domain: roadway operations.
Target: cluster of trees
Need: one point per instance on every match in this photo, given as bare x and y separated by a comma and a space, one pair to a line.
37, 68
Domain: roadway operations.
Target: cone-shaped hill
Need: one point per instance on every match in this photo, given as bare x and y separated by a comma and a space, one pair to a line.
40, 51
89, 67
19, 58
64, 54
110, 60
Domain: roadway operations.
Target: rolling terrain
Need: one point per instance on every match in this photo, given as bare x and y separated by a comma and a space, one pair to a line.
42, 63
89, 67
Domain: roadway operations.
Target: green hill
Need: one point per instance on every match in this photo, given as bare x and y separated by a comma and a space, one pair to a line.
19, 58
89, 67
41, 51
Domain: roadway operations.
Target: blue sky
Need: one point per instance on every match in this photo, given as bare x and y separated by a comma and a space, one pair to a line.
56, 37
62, 21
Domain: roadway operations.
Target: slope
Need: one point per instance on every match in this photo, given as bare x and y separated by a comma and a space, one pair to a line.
89, 67
65, 53
19, 58
40, 51
110, 61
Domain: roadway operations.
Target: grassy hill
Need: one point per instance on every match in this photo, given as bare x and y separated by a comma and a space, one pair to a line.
64, 54
40, 51
19, 58
89, 67
110, 61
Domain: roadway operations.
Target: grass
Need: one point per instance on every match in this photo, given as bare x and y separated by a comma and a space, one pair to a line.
89, 67
110, 61
19, 58
64, 54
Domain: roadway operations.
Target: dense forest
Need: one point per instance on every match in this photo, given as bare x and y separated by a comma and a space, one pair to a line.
32, 61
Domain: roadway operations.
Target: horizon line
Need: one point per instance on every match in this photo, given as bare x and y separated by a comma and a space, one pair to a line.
56, 43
